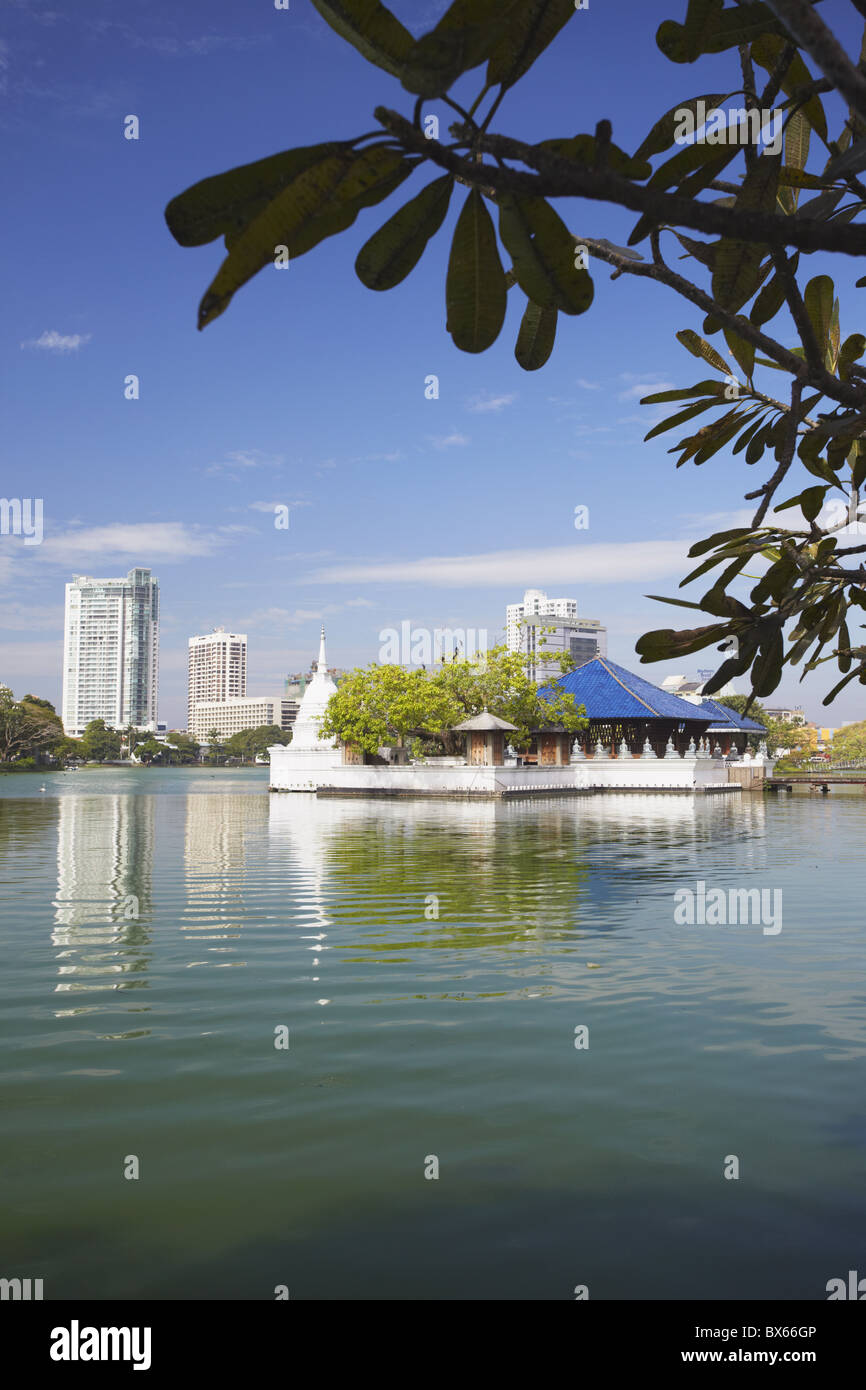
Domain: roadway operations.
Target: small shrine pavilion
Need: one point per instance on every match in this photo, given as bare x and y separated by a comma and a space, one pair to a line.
485, 739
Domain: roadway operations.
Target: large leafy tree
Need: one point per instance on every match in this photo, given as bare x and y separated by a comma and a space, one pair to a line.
381, 705
250, 743
849, 742
100, 744
747, 216
28, 727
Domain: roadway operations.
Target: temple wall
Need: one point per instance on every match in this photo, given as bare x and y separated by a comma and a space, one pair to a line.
598, 774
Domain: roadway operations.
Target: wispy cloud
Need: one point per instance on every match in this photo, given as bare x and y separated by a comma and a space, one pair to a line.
52, 341
238, 461
645, 387
271, 507
482, 404
448, 441
143, 542
602, 563
588, 385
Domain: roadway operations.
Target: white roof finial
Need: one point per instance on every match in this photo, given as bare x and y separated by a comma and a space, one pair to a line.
322, 663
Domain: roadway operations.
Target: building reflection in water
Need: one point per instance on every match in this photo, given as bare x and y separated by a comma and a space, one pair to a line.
302, 826
220, 892
104, 884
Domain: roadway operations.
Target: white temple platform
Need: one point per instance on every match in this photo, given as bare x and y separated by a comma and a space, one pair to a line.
692, 776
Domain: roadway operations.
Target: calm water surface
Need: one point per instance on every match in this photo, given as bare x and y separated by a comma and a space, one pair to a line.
413, 1036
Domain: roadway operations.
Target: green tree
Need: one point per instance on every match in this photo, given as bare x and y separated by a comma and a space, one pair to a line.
799, 740
749, 264
28, 728
66, 749
215, 752
100, 744
499, 683
184, 749
384, 705
249, 744
849, 742
378, 706
151, 750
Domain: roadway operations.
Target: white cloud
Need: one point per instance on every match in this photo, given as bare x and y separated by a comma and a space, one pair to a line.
142, 542
602, 563
242, 459
588, 385
646, 387
360, 603
271, 507
448, 441
52, 341
480, 405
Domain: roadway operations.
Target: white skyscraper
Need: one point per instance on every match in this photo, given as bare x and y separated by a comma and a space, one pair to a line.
542, 627
111, 652
217, 669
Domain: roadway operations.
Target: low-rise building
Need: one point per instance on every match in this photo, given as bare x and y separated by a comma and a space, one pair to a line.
229, 717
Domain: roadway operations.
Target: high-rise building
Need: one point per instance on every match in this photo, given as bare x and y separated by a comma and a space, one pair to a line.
111, 652
543, 627
217, 669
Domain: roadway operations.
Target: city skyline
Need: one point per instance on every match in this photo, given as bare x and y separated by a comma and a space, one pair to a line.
285, 402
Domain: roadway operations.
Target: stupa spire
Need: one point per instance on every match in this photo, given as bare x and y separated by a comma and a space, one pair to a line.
322, 664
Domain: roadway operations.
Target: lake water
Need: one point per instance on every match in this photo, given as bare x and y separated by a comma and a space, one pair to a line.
158, 930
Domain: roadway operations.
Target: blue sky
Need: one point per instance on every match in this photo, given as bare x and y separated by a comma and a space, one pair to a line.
309, 390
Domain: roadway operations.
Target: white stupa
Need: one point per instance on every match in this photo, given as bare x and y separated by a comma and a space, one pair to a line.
298, 767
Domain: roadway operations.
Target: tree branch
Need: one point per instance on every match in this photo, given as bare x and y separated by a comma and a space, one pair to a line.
563, 178
812, 33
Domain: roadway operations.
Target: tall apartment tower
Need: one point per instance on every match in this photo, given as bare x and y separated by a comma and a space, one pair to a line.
111, 652
217, 669
542, 627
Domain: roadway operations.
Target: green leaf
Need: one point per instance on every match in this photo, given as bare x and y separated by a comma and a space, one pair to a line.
664, 643
818, 299
320, 202
852, 350
225, 203
542, 251
536, 25
766, 52
661, 136
475, 289
709, 28
742, 351
536, 337
767, 670
797, 136
738, 263
857, 460
371, 28
703, 388
747, 435
699, 347
583, 150
397, 247
810, 501
465, 36
771, 297
680, 418
703, 251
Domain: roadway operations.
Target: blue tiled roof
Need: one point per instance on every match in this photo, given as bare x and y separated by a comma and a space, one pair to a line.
608, 691
723, 717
